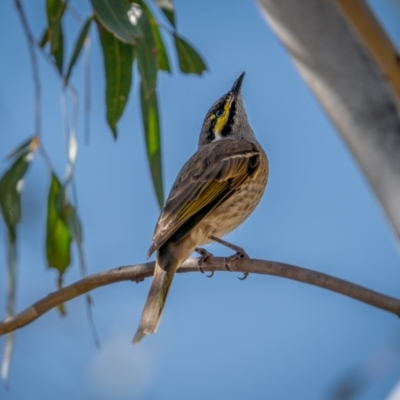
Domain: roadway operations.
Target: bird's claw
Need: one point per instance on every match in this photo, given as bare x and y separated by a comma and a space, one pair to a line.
204, 256
245, 275
240, 253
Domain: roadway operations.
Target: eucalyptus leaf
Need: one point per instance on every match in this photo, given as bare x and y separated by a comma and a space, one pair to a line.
118, 61
69, 216
44, 39
147, 54
190, 62
55, 11
167, 7
11, 185
25, 147
151, 122
58, 236
162, 56
78, 47
118, 17
10, 307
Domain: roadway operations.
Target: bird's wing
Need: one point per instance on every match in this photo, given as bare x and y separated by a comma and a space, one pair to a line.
210, 176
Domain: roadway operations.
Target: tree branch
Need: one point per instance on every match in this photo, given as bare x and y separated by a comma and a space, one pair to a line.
141, 271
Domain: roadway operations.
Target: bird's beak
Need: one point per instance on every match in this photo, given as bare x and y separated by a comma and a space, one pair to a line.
237, 85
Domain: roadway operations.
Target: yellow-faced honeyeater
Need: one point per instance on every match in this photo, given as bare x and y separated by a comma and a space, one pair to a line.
214, 192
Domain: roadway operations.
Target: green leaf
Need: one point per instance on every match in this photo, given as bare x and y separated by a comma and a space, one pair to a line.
61, 308
147, 54
118, 61
78, 47
11, 185
162, 57
151, 124
58, 237
55, 11
44, 39
10, 307
116, 17
59, 54
69, 216
190, 61
167, 7
28, 145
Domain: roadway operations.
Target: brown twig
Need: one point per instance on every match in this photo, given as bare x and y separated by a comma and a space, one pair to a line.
142, 271
34, 62
36, 80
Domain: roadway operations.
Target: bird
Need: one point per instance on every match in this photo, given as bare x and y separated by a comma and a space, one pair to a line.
214, 192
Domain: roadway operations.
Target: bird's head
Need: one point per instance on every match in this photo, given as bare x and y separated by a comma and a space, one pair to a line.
227, 117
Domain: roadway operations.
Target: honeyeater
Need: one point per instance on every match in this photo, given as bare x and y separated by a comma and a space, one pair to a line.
214, 192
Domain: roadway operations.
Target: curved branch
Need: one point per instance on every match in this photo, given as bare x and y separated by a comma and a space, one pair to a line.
139, 272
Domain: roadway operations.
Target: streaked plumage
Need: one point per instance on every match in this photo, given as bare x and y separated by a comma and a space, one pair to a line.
215, 191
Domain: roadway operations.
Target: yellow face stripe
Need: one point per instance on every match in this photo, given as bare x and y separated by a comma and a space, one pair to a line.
222, 119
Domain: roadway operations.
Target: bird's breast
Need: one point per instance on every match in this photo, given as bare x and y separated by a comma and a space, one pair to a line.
231, 213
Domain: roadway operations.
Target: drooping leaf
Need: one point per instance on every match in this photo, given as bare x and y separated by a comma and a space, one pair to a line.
44, 39
11, 185
70, 217
118, 61
59, 54
55, 10
162, 57
61, 307
147, 54
58, 236
167, 7
25, 147
78, 47
118, 17
151, 124
10, 308
190, 62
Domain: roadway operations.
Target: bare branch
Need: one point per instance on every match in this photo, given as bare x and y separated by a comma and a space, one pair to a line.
141, 271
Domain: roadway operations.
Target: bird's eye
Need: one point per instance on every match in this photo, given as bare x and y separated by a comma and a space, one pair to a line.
219, 113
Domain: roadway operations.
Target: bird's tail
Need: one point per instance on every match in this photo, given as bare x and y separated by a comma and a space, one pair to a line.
166, 266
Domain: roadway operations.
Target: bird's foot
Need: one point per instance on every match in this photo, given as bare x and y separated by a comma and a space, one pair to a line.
240, 253
204, 256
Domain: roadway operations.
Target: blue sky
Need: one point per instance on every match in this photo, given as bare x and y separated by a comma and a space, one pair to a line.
262, 338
